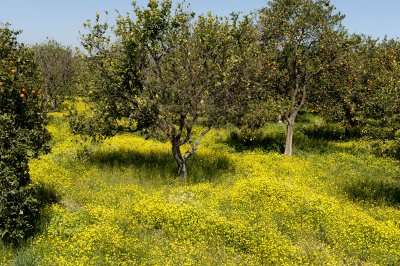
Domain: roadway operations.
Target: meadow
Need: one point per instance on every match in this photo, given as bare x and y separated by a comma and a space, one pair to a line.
119, 202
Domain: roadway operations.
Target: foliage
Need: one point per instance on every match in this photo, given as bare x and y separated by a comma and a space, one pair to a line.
61, 69
301, 41
366, 99
383, 106
166, 73
22, 135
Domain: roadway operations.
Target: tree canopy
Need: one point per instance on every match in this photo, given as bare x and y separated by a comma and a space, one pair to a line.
166, 72
22, 135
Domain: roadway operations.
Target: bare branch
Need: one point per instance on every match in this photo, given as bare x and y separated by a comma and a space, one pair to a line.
195, 146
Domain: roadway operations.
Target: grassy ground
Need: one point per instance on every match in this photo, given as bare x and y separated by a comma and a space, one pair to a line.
332, 203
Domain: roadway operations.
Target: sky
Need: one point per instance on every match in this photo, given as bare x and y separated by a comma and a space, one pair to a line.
63, 20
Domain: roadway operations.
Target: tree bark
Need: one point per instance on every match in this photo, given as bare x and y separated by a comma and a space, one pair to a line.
182, 171
179, 159
289, 137
290, 119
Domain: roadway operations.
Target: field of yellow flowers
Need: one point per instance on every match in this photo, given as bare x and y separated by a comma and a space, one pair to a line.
121, 204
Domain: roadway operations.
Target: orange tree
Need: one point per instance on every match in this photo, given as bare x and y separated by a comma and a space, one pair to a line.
346, 88
361, 91
22, 135
383, 107
301, 40
165, 75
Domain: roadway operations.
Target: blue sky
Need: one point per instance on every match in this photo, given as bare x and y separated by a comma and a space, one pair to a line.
62, 20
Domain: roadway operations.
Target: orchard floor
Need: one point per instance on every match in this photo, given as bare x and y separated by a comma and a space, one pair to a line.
121, 204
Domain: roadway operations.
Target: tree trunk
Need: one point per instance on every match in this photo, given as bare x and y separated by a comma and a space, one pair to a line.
349, 124
54, 104
289, 137
182, 170
290, 119
179, 159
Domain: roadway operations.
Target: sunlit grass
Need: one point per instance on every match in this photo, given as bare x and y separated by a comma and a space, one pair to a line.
122, 204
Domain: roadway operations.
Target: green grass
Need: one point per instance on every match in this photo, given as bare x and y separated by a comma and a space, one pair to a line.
120, 203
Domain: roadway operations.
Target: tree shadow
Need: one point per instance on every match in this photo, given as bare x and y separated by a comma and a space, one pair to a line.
323, 132
201, 168
375, 190
45, 196
273, 143
331, 131
306, 139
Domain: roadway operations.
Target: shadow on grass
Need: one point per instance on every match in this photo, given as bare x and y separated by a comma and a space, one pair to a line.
330, 131
375, 191
273, 142
323, 132
45, 196
306, 139
201, 168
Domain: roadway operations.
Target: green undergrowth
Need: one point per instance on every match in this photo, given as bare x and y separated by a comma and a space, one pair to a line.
121, 204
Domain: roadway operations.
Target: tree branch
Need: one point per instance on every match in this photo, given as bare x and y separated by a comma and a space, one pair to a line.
195, 146
302, 102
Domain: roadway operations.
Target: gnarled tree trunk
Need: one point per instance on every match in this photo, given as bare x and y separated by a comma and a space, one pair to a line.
181, 160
